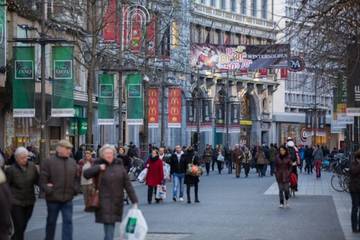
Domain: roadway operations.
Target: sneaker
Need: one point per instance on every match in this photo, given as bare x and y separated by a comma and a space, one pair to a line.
181, 199
174, 199
281, 206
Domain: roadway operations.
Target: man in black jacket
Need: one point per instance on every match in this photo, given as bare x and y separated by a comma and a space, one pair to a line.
58, 178
177, 173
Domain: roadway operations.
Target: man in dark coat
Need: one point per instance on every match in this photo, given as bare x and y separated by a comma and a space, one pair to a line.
177, 173
237, 156
58, 178
190, 180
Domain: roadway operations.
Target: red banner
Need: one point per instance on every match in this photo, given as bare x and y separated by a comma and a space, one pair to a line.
263, 72
150, 37
174, 106
284, 73
110, 33
153, 114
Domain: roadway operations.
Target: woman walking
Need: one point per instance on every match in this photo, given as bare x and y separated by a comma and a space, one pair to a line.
207, 157
220, 159
191, 179
86, 184
123, 156
155, 174
354, 187
22, 176
247, 160
113, 180
318, 157
261, 161
282, 173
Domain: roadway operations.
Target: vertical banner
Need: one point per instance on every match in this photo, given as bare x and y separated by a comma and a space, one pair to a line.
151, 37
24, 82
106, 99
2, 33
353, 83
153, 114
109, 32
63, 83
135, 101
174, 107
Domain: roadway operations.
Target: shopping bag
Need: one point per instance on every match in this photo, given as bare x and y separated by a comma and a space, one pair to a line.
133, 226
161, 192
142, 176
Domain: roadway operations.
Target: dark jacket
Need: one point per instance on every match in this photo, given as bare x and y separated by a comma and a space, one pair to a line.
5, 208
113, 181
237, 156
189, 158
308, 153
282, 169
62, 173
126, 161
354, 185
207, 156
176, 165
21, 183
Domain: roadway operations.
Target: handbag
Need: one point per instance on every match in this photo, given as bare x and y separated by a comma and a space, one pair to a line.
221, 158
93, 200
194, 170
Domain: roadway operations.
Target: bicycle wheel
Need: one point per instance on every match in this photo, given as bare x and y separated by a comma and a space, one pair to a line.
337, 182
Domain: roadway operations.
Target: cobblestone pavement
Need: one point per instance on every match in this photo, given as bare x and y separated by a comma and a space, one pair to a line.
230, 209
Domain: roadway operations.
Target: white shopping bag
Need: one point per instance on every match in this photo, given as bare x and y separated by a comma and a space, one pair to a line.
167, 169
161, 192
142, 176
133, 226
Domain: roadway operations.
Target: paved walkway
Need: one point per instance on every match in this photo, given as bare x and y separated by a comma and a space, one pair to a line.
230, 209
310, 186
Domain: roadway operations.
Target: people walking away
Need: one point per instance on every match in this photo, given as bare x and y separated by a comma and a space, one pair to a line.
113, 180
238, 157
86, 184
308, 155
295, 159
155, 175
220, 159
191, 180
214, 158
6, 226
207, 158
354, 188
22, 176
178, 174
247, 160
318, 156
272, 157
58, 178
261, 161
283, 167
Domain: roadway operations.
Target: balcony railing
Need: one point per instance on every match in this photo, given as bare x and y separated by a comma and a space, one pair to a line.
235, 17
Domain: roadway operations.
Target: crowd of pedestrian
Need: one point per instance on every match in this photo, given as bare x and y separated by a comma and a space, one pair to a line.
106, 172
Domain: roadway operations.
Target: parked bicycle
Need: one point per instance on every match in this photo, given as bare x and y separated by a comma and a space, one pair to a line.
341, 176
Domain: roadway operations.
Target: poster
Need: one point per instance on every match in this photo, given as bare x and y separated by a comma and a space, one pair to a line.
174, 108
106, 99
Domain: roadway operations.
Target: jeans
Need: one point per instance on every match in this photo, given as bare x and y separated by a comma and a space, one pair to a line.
272, 168
109, 229
283, 190
207, 166
178, 184
229, 166
21, 216
355, 211
151, 192
53, 209
220, 166
318, 164
263, 170
196, 188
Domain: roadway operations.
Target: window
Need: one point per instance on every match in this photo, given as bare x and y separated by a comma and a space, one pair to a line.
254, 8
218, 37
264, 8
233, 5
243, 7
223, 4
213, 3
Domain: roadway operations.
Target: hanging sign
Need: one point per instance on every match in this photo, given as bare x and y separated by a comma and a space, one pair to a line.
106, 99
174, 107
135, 100
153, 114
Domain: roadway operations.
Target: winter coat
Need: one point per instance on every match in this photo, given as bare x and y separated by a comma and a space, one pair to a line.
272, 154
155, 175
5, 208
318, 154
63, 174
188, 159
112, 183
126, 161
308, 153
237, 156
21, 183
282, 169
261, 158
207, 157
176, 165
247, 157
354, 185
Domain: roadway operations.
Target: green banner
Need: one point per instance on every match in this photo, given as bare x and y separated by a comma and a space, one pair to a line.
2, 33
106, 99
135, 99
24, 82
63, 82
77, 126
